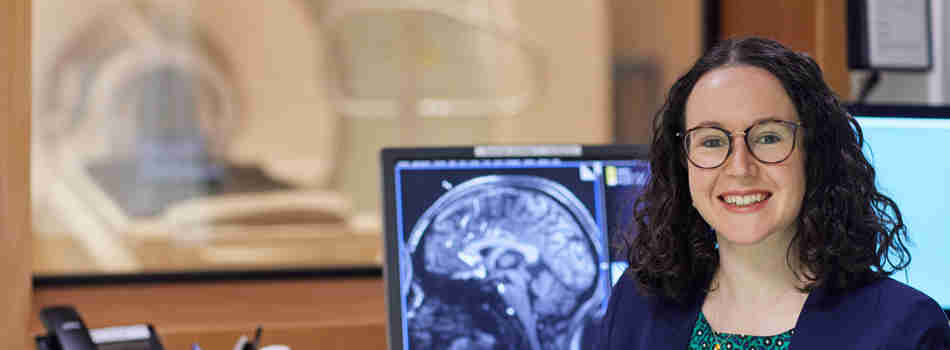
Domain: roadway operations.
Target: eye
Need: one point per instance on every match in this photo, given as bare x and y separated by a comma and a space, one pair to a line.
768, 139
713, 142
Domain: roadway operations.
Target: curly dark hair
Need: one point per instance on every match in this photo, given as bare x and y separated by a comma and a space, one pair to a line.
849, 233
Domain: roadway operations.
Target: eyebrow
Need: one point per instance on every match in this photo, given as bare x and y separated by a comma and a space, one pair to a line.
717, 124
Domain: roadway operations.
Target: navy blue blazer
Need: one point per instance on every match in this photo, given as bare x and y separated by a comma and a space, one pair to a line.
882, 315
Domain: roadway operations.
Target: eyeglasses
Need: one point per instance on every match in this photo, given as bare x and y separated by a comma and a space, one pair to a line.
769, 141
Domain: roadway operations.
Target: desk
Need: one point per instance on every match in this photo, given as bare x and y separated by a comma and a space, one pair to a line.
332, 313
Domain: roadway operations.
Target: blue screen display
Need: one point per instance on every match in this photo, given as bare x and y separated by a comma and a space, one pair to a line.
913, 168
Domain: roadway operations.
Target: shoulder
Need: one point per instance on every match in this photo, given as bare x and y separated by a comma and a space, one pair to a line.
895, 298
625, 315
634, 320
886, 312
884, 295
626, 307
891, 287
917, 318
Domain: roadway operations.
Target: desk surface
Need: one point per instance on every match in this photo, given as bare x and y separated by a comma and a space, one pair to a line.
335, 313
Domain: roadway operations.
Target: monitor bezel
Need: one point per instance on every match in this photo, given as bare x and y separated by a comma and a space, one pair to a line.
388, 159
899, 110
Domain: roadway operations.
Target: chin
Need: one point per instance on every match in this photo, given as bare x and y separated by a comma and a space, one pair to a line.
742, 237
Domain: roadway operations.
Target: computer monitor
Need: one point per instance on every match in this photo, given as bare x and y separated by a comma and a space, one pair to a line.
504, 247
908, 147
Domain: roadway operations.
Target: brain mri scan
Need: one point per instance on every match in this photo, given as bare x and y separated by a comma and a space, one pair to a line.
503, 262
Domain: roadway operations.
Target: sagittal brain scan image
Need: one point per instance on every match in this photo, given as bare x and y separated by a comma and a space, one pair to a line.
503, 262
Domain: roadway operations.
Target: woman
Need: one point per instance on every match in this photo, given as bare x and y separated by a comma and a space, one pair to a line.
761, 226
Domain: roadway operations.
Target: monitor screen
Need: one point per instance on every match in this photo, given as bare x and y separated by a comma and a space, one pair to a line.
907, 147
508, 253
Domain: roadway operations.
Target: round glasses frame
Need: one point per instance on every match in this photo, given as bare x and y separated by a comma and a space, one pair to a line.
745, 135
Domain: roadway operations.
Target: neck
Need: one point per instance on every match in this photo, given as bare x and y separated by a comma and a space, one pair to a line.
755, 290
757, 274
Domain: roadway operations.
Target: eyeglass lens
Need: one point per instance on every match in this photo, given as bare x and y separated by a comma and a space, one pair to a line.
769, 142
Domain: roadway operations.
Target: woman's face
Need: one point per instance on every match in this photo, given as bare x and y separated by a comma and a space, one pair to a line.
744, 200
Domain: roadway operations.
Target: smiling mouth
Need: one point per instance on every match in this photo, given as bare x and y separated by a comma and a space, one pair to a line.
746, 199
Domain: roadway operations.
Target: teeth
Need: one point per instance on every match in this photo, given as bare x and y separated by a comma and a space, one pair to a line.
744, 200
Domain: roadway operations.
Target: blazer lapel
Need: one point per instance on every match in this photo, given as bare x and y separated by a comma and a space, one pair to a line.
812, 329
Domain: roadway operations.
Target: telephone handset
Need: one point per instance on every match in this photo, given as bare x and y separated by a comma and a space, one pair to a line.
66, 327
67, 331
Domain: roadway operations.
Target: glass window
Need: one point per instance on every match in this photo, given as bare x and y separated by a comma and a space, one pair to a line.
188, 136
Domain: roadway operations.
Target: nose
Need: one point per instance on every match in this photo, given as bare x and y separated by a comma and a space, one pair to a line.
740, 162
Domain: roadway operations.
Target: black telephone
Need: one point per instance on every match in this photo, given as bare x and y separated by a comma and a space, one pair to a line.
67, 331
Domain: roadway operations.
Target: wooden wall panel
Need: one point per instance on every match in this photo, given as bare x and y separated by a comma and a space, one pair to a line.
817, 27
669, 33
14, 172
791, 22
831, 45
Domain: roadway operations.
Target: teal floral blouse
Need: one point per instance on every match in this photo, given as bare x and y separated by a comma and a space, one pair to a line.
704, 338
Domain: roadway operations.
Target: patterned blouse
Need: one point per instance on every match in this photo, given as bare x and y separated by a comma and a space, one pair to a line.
705, 338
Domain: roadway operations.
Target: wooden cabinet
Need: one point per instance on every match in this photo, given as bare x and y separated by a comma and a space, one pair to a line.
14, 171
817, 27
329, 313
